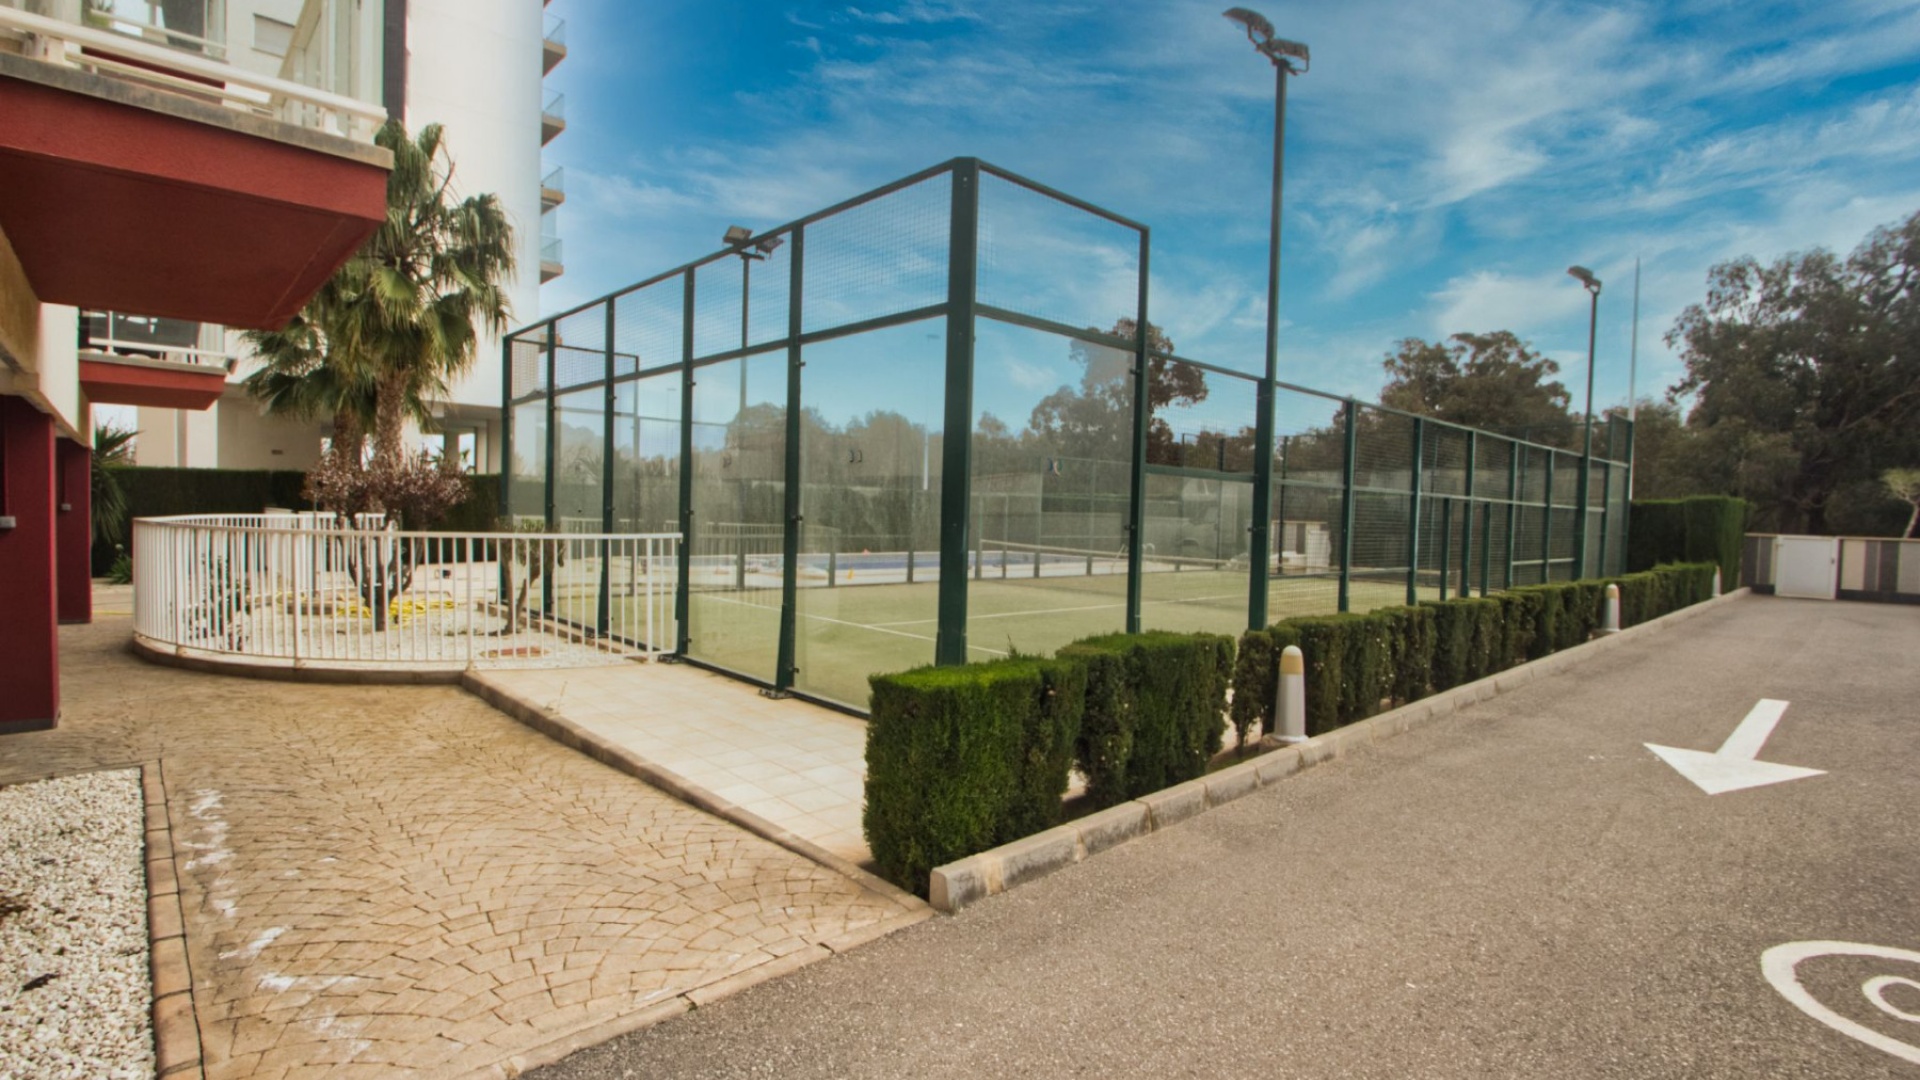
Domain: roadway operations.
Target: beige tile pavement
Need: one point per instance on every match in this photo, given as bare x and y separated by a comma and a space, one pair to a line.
401, 881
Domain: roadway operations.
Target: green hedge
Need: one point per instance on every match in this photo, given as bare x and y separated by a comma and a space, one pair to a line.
157, 491
1154, 702
961, 759
1354, 662
964, 758
1704, 528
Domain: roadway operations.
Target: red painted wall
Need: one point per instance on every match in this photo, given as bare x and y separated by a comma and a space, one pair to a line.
73, 532
29, 633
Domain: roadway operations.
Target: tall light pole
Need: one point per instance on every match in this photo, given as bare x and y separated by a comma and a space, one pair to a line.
1586, 278
751, 251
1282, 54
740, 238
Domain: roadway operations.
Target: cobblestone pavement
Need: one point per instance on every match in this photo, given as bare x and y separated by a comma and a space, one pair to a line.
383, 881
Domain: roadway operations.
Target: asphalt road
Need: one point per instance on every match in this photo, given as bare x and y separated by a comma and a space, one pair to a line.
1520, 890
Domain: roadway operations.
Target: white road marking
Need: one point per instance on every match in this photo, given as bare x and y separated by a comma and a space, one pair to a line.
1779, 962
1734, 766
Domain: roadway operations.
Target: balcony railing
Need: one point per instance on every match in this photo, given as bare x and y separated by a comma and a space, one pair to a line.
551, 250
177, 45
553, 188
553, 117
195, 26
113, 333
553, 48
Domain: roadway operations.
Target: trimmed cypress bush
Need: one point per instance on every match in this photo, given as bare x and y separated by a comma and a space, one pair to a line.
1154, 705
1704, 528
960, 759
1410, 638
1467, 636
1353, 661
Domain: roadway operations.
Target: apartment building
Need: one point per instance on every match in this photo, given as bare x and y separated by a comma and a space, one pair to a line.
475, 66
144, 171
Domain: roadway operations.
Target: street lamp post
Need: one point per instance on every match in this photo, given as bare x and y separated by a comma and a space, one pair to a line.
1586, 278
1282, 54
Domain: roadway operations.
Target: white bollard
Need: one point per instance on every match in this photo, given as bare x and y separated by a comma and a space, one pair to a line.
1612, 625
1290, 697
1716, 581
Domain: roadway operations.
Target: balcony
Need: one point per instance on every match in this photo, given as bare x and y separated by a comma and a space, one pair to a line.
553, 189
178, 47
147, 360
553, 117
552, 265
553, 46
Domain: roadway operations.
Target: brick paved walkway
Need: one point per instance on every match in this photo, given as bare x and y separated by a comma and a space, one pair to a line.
383, 881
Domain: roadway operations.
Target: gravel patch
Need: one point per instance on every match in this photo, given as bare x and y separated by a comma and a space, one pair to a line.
75, 995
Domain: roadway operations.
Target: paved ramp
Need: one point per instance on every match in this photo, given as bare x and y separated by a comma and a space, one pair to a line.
794, 764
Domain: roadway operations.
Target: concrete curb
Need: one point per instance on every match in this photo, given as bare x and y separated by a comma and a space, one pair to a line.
256, 668
176, 1024
976, 877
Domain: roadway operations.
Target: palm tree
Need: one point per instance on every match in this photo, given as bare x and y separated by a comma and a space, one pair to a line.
400, 320
112, 451
305, 373
427, 282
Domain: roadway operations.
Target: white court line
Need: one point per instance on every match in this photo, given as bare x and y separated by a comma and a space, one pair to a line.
1066, 610
883, 629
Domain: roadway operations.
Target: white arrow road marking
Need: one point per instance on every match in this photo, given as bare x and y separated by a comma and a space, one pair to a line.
1734, 765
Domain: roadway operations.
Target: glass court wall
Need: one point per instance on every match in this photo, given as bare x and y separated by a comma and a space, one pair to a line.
924, 426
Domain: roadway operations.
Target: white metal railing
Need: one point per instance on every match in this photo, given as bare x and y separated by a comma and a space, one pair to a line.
302, 590
118, 334
76, 44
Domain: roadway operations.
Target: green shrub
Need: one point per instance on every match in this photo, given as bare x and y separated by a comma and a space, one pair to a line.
1517, 627
1154, 705
1469, 639
1410, 648
1405, 653
960, 759
1704, 528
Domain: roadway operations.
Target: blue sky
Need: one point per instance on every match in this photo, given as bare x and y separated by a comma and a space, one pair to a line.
1446, 160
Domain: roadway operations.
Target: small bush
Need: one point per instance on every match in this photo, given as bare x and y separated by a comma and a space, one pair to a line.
1154, 706
960, 759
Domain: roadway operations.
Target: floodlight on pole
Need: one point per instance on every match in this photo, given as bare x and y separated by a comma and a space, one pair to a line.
740, 239
1282, 54
1279, 50
1592, 283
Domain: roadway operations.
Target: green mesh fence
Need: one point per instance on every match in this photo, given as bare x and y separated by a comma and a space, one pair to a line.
922, 426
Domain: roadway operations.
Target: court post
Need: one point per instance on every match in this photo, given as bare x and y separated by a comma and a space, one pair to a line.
790, 535
553, 440
683, 573
1346, 504
956, 449
603, 613
1413, 511
1466, 521
1546, 525
1137, 473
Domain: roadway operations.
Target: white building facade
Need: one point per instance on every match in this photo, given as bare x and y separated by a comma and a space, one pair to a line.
476, 67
